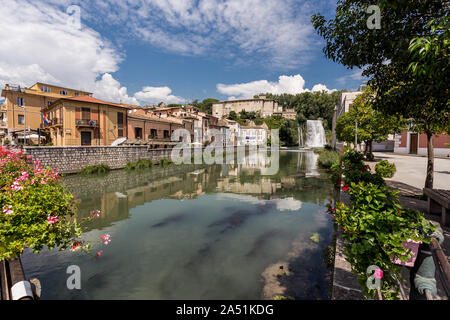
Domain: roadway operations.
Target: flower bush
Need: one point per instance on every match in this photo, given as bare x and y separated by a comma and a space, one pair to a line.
374, 226
36, 210
385, 169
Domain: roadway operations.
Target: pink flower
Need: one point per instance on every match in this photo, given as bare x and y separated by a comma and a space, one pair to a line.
75, 246
106, 238
95, 213
43, 181
52, 219
345, 188
8, 210
378, 274
16, 186
98, 254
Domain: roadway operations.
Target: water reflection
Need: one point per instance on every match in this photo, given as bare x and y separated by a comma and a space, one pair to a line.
229, 229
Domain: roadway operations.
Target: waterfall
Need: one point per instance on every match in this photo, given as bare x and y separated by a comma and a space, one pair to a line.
315, 134
300, 137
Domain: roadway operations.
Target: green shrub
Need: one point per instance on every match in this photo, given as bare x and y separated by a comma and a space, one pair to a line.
164, 162
355, 170
374, 228
6, 142
144, 163
328, 158
385, 169
130, 166
95, 169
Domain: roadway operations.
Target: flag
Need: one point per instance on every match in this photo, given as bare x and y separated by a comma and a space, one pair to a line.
45, 119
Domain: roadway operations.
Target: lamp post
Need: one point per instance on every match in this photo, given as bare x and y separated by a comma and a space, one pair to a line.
356, 129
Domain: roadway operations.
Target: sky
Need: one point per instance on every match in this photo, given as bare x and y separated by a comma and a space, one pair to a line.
147, 51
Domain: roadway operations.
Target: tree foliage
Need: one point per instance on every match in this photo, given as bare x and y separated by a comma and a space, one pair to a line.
205, 105
373, 125
310, 105
406, 59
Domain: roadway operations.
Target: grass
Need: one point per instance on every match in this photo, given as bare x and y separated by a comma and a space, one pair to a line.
95, 169
327, 158
141, 164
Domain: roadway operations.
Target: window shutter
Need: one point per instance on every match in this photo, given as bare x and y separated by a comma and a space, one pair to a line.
77, 113
94, 115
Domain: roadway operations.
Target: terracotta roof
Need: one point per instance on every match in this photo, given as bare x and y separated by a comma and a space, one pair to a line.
151, 117
93, 100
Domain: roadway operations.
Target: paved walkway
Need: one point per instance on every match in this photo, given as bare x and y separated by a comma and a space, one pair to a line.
411, 170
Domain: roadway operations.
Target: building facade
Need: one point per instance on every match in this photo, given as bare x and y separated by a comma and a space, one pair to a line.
23, 106
410, 142
253, 135
86, 121
265, 107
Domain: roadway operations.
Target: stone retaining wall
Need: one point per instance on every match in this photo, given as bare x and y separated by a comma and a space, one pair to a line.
73, 159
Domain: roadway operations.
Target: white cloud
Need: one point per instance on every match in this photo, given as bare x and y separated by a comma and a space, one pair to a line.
279, 31
157, 94
288, 204
321, 87
39, 44
109, 89
352, 77
286, 84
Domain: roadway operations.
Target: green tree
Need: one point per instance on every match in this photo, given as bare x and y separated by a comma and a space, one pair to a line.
373, 125
386, 55
232, 116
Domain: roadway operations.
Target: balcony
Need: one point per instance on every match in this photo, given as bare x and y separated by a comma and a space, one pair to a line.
86, 123
52, 122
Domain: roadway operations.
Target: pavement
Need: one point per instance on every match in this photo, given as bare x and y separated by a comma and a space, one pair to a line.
411, 170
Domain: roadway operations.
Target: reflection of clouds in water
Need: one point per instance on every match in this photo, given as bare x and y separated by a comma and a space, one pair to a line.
288, 204
239, 197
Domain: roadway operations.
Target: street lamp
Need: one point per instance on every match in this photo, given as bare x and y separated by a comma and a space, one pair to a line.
356, 129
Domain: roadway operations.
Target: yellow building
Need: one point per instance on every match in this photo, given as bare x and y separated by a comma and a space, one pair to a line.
34, 98
84, 120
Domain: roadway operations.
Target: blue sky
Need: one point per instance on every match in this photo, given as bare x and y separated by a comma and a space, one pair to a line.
143, 52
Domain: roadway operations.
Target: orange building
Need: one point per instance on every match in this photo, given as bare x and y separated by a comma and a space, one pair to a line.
84, 120
155, 131
23, 106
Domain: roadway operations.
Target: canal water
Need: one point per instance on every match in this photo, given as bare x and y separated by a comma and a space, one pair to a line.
199, 232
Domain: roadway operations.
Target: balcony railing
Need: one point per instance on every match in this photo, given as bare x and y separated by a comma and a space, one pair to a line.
52, 122
86, 123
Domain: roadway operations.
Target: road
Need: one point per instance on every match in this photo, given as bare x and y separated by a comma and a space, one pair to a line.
412, 170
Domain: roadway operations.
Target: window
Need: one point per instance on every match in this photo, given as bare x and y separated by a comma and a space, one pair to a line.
153, 134
21, 119
45, 89
19, 101
86, 114
166, 133
76, 94
138, 133
63, 92
120, 124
